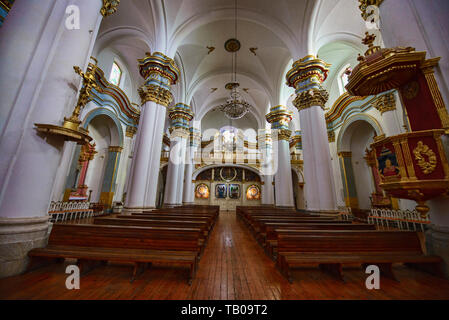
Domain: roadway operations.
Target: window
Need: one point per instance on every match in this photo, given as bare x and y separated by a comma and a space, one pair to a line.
116, 74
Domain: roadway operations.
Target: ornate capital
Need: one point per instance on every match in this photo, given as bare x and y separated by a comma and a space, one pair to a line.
385, 103
345, 154
313, 97
178, 132
306, 76
115, 149
279, 117
281, 134
131, 131
109, 7
194, 137
180, 115
87, 152
159, 72
156, 94
364, 4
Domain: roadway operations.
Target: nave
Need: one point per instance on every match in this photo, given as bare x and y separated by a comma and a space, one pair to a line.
233, 266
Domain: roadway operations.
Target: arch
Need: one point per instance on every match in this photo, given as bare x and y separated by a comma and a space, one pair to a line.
102, 111
198, 171
342, 141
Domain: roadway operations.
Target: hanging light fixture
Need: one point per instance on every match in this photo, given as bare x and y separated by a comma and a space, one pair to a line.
235, 106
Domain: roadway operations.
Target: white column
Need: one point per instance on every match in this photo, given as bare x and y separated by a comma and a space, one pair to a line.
306, 76
283, 176
147, 149
123, 167
171, 184
320, 193
188, 193
265, 148
37, 58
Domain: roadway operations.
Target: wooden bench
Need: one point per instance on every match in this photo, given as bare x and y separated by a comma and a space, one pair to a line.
138, 245
269, 239
210, 221
202, 225
330, 249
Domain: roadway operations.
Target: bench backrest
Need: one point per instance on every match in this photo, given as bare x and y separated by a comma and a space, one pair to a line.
157, 238
150, 222
345, 241
272, 230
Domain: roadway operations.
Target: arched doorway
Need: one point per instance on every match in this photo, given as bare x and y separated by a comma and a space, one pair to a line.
354, 139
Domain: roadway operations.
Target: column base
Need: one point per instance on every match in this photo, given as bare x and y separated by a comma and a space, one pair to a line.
437, 243
17, 237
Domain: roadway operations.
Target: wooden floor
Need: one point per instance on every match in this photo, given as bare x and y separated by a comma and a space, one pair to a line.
233, 267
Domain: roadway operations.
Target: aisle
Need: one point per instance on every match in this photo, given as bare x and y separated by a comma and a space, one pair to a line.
233, 267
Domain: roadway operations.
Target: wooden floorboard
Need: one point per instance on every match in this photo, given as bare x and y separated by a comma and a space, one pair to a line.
233, 266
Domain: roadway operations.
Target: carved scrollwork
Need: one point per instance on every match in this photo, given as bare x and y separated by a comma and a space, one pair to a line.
422, 152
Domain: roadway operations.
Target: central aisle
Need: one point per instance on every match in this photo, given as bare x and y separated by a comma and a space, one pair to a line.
233, 266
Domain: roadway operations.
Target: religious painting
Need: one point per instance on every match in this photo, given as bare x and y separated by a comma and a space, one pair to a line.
234, 191
388, 164
253, 192
220, 191
202, 191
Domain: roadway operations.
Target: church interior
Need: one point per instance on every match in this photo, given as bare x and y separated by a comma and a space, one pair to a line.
224, 150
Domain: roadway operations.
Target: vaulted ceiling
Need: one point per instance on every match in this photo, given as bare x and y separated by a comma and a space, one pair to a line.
282, 31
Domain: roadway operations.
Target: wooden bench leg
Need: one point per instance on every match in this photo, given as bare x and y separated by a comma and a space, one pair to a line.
334, 269
432, 268
138, 270
387, 271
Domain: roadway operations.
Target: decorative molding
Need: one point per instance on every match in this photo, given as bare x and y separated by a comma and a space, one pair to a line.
130, 131
109, 7
313, 97
385, 103
331, 136
115, 149
156, 94
422, 150
364, 4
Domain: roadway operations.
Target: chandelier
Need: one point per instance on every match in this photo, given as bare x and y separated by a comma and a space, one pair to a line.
235, 106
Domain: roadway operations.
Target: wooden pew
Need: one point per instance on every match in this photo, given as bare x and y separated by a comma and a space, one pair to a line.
330, 249
273, 230
202, 225
138, 245
209, 220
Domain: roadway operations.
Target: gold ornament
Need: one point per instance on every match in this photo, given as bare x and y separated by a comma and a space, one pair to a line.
422, 150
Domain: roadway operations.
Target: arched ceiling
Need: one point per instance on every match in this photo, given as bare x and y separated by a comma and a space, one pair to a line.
282, 31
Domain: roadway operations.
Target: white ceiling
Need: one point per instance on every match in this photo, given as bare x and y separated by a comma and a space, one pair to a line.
282, 31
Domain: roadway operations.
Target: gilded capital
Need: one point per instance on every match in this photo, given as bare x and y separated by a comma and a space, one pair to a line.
109, 7
181, 115
115, 149
345, 154
306, 76
160, 73
281, 134
312, 97
279, 117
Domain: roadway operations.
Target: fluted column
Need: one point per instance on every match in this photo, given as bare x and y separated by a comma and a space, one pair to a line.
37, 58
279, 117
180, 115
189, 186
159, 72
306, 76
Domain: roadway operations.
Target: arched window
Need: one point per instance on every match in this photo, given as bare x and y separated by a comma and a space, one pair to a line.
116, 74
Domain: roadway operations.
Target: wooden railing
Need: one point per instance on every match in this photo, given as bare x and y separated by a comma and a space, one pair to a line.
71, 210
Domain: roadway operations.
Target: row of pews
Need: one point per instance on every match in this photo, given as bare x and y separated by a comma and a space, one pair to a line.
294, 239
170, 235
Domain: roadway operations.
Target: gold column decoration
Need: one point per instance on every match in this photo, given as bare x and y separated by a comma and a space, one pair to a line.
428, 70
306, 76
279, 117
385, 103
71, 129
159, 72
331, 136
130, 131
109, 7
